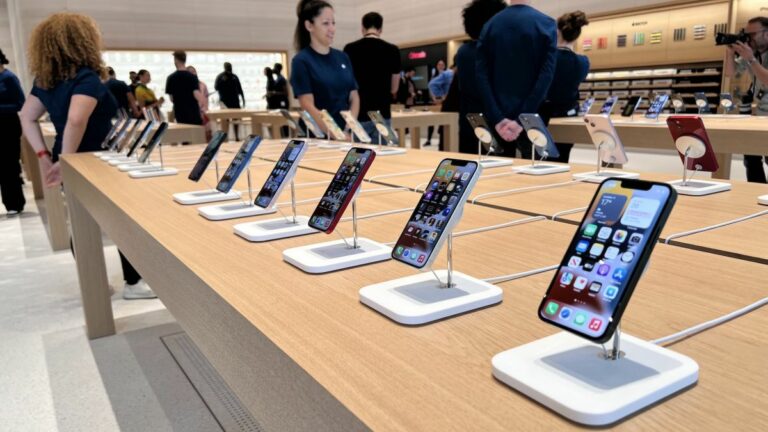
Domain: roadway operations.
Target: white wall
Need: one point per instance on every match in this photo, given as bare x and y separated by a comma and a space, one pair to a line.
5, 36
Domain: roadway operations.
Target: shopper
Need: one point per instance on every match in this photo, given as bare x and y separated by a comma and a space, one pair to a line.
322, 76
439, 86
377, 71
203, 103
68, 85
516, 57
229, 88
184, 90
133, 77
145, 96
281, 86
752, 58
122, 93
11, 101
570, 71
475, 15
406, 93
270, 95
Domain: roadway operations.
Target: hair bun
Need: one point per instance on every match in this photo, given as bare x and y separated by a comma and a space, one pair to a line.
577, 19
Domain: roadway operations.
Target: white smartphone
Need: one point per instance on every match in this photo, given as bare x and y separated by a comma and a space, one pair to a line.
356, 127
606, 139
609, 105
333, 129
312, 125
281, 174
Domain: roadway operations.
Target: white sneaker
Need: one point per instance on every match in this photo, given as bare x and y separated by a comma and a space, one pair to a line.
140, 290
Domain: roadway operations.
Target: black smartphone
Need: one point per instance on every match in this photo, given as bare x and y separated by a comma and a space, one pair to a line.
284, 169
130, 135
120, 135
154, 142
121, 119
208, 154
342, 189
631, 106
607, 257
482, 131
239, 162
141, 139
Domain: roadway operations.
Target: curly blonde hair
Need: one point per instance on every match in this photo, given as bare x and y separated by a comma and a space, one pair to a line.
62, 44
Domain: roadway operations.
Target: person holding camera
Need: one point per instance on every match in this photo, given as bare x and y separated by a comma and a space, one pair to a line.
752, 57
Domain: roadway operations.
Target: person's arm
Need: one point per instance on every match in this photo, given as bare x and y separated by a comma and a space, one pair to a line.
30, 113
482, 67
746, 53
396, 67
240, 91
546, 73
395, 85
729, 69
354, 103
435, 85
132, 103
80, 109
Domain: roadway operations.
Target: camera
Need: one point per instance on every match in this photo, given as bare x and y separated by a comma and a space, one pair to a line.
730, 39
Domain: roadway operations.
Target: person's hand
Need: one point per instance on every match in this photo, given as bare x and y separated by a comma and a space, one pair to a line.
509, 130
743, 50
53, 175
45, 165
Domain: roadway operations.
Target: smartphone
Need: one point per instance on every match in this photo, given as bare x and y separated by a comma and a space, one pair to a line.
631, 106
290, 120
385, 131
657, 106
607, 257
687, 126
586, 106
356, 127
240, 161
208, 154
120, 136
342, 189
312, 125
678, 103
121, 118
601, 131
333, 128
132, 135
609, 105
701, 101
153, 142
141, 139
726, 101
539, 135
483, 132
284, 169
438, 211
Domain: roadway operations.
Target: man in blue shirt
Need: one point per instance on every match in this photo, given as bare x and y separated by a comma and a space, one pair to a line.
440, 84
516, 57
11, 101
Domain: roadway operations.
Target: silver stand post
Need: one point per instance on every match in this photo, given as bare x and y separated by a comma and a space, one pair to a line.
599, 158
533, 154
250, 190
449, 252
160, 149
685, 167
479, 151
378, 132
216, 166
615, 351
293, 200
354, 225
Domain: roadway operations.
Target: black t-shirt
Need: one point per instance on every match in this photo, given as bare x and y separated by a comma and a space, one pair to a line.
229, 88
120, 91
374, 61
181, 85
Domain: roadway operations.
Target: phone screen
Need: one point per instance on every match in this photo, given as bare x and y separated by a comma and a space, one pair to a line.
445, 193
726, 100
113, 130
142, 138
333, 128
208, 154
129, 135
239, 162
481, 130
312, 125
154, 142
606, 256
343, 185
586, 106
385, 131
657, 106
117, 139
356, 127
607, 108
631, 106
274, 182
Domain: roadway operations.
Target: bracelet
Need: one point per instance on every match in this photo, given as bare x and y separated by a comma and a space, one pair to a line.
42, 153
752, 61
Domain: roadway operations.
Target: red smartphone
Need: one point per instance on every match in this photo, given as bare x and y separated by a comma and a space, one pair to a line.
693, 127
342, 189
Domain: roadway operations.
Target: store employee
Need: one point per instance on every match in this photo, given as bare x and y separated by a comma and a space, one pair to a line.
753, 58
322, 77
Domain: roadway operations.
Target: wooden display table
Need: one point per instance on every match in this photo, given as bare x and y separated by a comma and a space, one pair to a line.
224, 117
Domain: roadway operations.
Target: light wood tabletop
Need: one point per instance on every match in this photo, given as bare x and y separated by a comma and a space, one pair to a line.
302, 353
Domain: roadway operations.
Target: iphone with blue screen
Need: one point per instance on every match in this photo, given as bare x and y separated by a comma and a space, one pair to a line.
240, 162
606, 257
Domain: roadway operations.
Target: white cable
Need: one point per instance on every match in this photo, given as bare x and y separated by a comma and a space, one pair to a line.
567, 212
499, 226
317, 199
714, 227
515, 276
382, 176
379, 214
525, 189
713, 323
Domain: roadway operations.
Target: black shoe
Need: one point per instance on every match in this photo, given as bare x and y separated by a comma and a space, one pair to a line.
427, 144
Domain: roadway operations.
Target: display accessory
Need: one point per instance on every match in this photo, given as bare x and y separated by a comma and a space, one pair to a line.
210, 154
702, 103
541, 144
609, 150
384, 130
149, 169
696, 152
486, 141
678, 104
726, 102
609, 105
763, 200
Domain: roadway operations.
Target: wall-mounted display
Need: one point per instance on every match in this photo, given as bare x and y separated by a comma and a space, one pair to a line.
621, 41
655, 38
587, 45
721, 28
679, 35
602, 43
639, 39
699, 32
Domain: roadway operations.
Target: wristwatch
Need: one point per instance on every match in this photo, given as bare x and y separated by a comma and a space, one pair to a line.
42, 153
752, 61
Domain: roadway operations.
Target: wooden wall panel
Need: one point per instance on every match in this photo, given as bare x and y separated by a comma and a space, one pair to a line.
748, 9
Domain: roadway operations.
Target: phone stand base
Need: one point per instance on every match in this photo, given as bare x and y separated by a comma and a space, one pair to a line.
205, 196
274, 229
699, 187
155, 172
570, 376
595, 177
541, 169
419, 299
105, 153
138, 166
329, 146
495, 163
389, 151
120, 160
336, 255
763, 200
233, 211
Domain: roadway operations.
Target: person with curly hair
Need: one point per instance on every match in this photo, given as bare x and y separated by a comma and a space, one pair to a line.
65, 59
11, 101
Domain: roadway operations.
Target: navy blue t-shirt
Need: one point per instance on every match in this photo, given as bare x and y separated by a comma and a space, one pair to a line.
328, 77
120, 92
570, 72
11, 95
56, 101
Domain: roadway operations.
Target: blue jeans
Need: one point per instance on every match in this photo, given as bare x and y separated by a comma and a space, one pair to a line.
370, 128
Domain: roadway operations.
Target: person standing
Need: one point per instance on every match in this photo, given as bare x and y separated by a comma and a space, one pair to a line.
322, 76
11, 101
570, 71
122, 93
376, 64
229, 88
184, 90
133, 77
516, 58
78, 103
753, 59
145, 96
406, 93
271, 90
203, 103
439, 86
281, 86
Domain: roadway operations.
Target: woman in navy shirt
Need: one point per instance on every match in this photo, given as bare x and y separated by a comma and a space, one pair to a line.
11, 100
322, 76
68, 86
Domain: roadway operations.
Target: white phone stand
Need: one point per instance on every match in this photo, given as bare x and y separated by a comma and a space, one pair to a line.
151, 169
117, 159
607, 144
590, 385
275, 229
425, 298
236, 210
386, 151
485, 137
763, 200
206, 195
137, 166
692, 147
339, 254
538, 139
